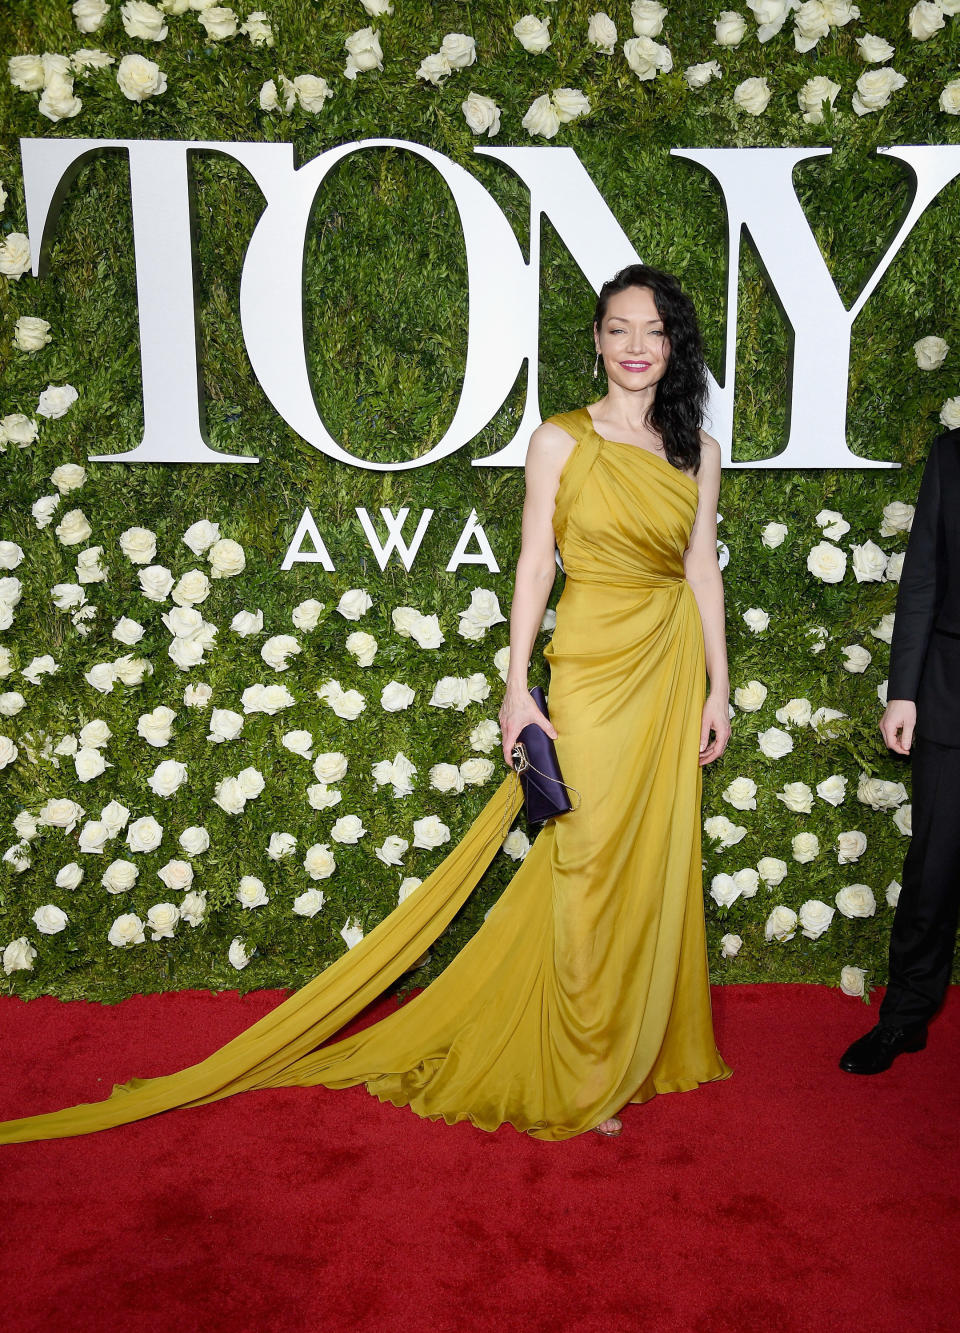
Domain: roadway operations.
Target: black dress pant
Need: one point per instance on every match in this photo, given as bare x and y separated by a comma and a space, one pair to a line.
925, 923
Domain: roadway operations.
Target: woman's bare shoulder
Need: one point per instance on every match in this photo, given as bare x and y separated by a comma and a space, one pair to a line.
550, 446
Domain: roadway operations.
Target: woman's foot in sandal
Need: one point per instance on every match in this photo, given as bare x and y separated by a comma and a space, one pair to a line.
609, 1128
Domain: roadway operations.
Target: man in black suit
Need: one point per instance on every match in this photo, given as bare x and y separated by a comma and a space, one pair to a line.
923, 717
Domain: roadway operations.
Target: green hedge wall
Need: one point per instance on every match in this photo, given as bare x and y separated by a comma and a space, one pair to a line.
385, 301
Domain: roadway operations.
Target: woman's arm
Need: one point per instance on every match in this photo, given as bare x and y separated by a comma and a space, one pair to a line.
536, 570
702, 572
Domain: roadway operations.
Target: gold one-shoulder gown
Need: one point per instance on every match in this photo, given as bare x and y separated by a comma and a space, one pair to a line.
587, 986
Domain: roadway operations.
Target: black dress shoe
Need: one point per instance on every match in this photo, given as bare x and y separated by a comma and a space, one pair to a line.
877, 1050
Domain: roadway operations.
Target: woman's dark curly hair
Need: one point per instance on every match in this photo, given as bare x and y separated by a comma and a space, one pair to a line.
678, 408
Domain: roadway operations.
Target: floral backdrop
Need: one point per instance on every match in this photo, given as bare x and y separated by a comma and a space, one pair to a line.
219, 773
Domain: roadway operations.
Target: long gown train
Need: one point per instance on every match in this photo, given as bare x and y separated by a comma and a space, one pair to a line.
587, 985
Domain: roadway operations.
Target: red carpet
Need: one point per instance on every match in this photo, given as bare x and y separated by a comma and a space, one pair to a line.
791, 1197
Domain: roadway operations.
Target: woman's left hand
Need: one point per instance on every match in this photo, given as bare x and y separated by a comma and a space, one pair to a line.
716, 718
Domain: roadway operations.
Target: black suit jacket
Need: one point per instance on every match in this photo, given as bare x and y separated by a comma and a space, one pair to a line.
925, 648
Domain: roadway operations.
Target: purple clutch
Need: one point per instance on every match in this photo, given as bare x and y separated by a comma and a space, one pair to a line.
535, 758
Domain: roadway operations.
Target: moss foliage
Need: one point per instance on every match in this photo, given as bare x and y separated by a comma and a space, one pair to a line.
385, 312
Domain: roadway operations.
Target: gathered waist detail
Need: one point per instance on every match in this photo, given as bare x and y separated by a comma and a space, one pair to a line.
625, 578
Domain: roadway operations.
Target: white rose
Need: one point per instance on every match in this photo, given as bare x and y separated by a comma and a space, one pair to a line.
926, 18
191, 588
168, 776
750, 697
850, 846
69, 876
834, 525
197, 696
119, 876
156, 728
459, 49
569, 104
477, 687
220, 22
770, 16
747, 881
14, 262
742, 794
430, 832
772, 870
347, 829
723, 890
251, 892
245, 623
18, 956
143, 20
541, 118
647, 16
796, 796
139, 545
59, 102
363, 52
833, 789
126, 930
251, 782
226, 558
647, 58
752, 96
446, 777
827, 562
30, 333
774, 742
376, 8
602, 33
821, 719
194, 840
194, 907
322, 797
475, 772
781, 924
362, 646
795, 712
810, 24
200, 536
394, 697
391, 850
930, 352
298, 742
773, 534
950, 98
312, 91
720, 829
330, 766
140, 78
812, 96
426, 632
89, 567
309, 902
730, 28
852, 981
484, 736
756, 620
874, 50
407, 886
481, 114
73, 528
11, 703
237, 954
93, 836
114, 816
89, 763
306, 614
698, 76
352, 932
897, 517
805, 847
450, 692
39, 666
815, 917
281, 845
404, 619
884, 630
144, 834
869, 562
257, 28
162, 919
50, 920
268, 96
516, 844
857, 659
856, 900
730, 945
177, 875
880, 794
532, 33
27, 72
874, 89
950, 413
354, 603
86, 58
278, 648
345, 703
903, 820
155, 582
892, 893
319, 861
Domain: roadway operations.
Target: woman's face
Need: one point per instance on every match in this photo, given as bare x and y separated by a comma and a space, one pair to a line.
633, 340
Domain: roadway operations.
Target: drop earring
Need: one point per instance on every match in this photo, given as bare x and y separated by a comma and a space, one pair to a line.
596, 366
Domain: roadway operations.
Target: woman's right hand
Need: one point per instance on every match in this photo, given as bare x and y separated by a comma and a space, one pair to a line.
516, 712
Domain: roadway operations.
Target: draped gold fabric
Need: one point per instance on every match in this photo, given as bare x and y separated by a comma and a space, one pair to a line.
587, 985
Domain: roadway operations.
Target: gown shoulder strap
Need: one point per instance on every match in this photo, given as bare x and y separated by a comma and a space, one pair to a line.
576, 423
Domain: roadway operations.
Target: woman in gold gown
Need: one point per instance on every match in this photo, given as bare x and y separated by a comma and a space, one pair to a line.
587, 987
